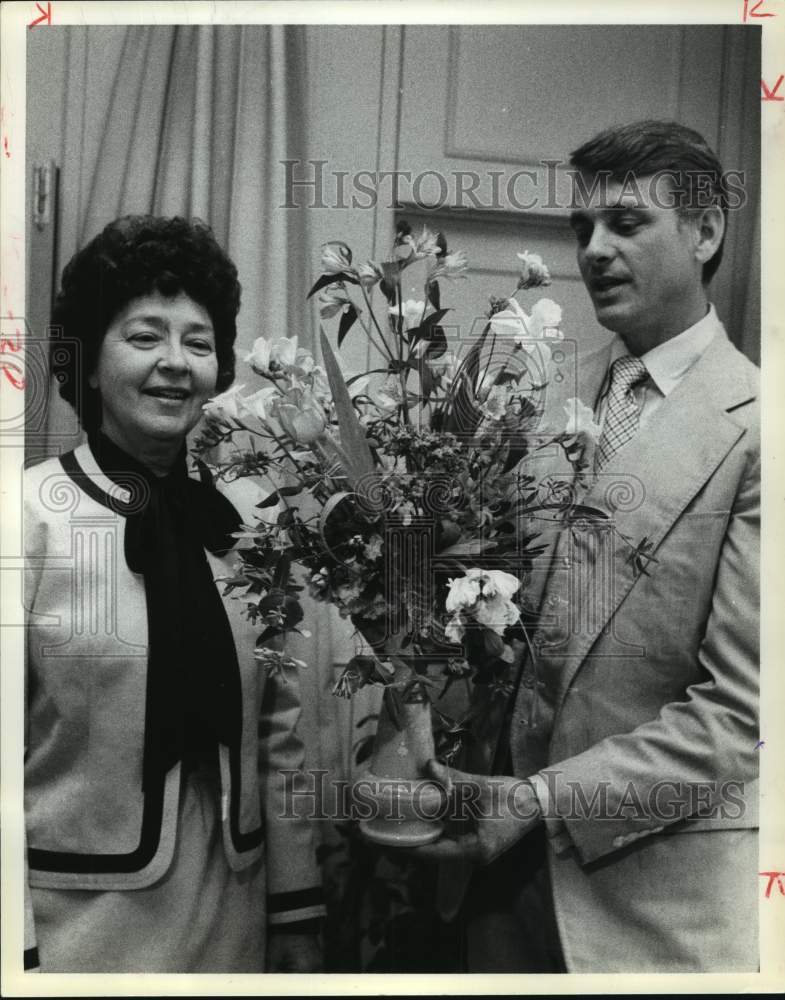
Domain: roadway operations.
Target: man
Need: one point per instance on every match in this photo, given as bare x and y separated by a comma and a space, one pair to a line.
632, 845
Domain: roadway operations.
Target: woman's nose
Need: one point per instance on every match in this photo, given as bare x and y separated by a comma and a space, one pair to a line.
173, 358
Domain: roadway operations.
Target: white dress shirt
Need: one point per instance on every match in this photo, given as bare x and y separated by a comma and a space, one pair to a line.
667, 364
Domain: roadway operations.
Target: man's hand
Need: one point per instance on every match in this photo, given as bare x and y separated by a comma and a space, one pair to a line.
294, 953
494, 812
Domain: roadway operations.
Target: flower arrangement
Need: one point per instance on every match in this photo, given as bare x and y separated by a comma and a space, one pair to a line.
399, 490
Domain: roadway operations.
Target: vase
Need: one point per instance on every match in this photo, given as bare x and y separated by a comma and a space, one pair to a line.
406, 804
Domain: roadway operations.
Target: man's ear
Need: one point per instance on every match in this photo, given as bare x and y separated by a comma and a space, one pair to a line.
709, 230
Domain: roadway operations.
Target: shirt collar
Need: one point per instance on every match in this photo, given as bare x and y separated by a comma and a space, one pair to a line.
669, 362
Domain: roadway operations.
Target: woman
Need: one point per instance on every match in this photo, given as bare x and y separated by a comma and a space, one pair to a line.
155, 742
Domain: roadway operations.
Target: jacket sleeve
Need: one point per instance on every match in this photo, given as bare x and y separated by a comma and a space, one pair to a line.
294, 889
34, 531
707, 740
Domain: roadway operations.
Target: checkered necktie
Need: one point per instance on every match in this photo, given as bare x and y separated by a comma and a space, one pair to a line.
621, 415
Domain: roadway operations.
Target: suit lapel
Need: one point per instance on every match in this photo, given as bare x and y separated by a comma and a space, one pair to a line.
645, 489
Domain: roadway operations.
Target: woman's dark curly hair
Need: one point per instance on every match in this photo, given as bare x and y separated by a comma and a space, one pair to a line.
134, 256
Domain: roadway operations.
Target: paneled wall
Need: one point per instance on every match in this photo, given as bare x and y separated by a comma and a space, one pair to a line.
508, 104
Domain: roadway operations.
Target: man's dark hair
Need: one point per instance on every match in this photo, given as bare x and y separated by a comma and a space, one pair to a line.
650, 147
135, 256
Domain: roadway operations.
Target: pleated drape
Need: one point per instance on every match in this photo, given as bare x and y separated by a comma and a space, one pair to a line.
197, 123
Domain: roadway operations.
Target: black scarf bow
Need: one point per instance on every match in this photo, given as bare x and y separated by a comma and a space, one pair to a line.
193, 696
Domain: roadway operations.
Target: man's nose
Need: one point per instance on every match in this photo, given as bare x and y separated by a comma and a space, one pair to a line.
600, 246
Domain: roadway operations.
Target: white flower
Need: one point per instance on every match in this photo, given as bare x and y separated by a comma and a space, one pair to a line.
225, 406
258, 404
454, 629
332, 300
546, 319
495, 403
452, 265
496, 582
426, 245
305, 360
512, 322
443, 370
369, 274
336, 257
533, 272
269, 356
464, 591
485, 594
413, 311
301, 415
373, 548
406, 512
580, 419
497, 614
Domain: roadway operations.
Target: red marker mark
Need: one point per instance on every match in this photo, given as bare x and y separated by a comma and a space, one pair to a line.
5, 147
753, 12
14, 374
12, 369
46, 15
6, 344
770, 95
774, 878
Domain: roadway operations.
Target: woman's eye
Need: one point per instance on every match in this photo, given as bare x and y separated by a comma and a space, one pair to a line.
201, 346
144, 337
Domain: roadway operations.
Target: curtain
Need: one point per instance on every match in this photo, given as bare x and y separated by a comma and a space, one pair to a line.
194, 120
197, 123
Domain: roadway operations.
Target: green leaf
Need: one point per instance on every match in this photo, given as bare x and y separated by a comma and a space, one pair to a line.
347, 322
332, 279
581, 510
283, 491
364, 749
355, 445
464, 414
392, 701
281, 577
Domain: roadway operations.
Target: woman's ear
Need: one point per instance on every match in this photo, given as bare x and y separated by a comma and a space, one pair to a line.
92, 381
709, 230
